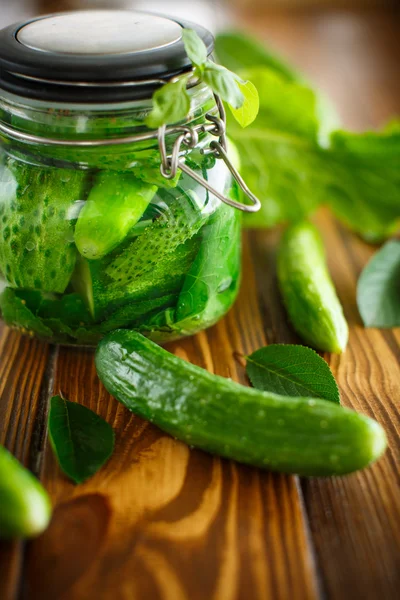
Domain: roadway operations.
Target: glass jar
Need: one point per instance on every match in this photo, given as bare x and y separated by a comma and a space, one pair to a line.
93, 236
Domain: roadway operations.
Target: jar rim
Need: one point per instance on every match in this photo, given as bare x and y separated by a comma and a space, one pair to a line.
55, 76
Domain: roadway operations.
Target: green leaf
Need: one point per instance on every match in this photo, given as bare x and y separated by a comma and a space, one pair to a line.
293, 159
282, 162
364, 188
246, 114
195, 47
82, 441
171, 103
238, 51
16, 313
287, 106
291, 370
285, 165
224, 83
378, 290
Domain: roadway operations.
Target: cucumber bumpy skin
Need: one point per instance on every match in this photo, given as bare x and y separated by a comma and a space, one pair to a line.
306, 436
36, 226
308, 291
25, 508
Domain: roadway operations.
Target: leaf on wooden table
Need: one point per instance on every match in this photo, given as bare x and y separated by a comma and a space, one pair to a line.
291, 370
82, 441
378, 289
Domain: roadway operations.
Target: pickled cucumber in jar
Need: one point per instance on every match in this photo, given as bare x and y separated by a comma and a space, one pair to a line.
83, 252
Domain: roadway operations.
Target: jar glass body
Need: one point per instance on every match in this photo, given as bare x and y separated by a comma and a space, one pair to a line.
95, 238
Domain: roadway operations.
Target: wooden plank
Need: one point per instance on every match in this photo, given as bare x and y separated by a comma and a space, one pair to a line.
162, 521
22, 368
355, 520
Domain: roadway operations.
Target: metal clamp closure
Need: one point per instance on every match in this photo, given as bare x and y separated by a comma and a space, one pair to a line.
186, 136
189, 137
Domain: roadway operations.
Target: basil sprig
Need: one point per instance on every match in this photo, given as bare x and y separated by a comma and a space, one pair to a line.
171, 102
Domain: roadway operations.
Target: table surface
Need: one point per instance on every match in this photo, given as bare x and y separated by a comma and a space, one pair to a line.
160, 521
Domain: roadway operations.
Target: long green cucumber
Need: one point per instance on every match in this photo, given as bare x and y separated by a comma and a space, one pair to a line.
25, 508
114, 205
307, 436
308, 291
36, 224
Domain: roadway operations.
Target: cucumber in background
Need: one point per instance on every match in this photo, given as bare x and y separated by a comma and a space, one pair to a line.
307, 436
308, 291
115, 204
25, 508
36, 229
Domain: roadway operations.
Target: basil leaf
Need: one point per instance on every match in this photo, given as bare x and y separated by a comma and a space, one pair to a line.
82, 441
224, 83
246, 114
195, 47
171, 103
378, 290
291, 370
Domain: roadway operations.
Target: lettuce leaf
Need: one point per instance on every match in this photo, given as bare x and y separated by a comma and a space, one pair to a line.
294, 157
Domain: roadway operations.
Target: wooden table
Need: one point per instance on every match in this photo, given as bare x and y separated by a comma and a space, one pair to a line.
160, 521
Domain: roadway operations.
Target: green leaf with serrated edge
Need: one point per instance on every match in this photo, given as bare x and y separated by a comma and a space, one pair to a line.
194, 47
171, 104
246, 114
378, 289
224, 83
292, 370
82, 441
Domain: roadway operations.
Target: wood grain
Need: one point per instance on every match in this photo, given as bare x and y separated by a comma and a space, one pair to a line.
22, 369
161, 521
183, 525
363, 508
355, 521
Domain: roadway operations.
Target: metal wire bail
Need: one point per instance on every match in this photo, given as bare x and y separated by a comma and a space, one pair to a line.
187, 136
170, 164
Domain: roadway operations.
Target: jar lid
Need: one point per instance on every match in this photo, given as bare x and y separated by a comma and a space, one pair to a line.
97, 56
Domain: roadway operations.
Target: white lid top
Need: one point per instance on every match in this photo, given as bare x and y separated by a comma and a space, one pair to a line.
98, 32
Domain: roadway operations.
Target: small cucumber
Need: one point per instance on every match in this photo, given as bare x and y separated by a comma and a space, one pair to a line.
307, 436
114, 205
25, 508
308, 291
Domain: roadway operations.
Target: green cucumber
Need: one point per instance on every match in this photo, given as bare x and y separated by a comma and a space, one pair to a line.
114, 205
179, 220
25, 508
211, 284
213, 280
307, 436
308, 291
103, 295
36, 224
